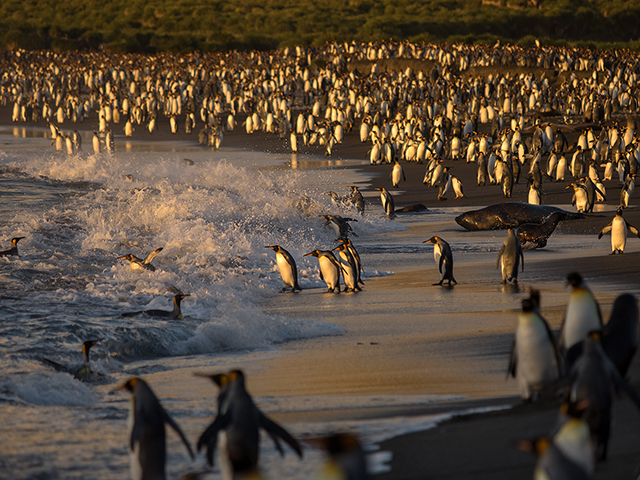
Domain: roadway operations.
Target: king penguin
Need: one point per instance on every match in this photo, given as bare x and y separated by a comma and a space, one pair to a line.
13, 251
618, 228
147, 447
356, 257
582, 316
535, 361
509, 257
139, 263
357, 199
346, 461
287, 266
396, 174
329, 268
443, 256
239, 421
349, 268
388, 204
174, 314
83, 371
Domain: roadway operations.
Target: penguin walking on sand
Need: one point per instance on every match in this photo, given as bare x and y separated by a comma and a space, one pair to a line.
329, 269
618, 228
457, 187
582, 316
509, 258
13, 251
238, 422
579, 199
83, 371
535, 361
445, 184
397, 173
142, 264
287, 266
356, 257
593, 378
566, 456
174, 314
443, 256
388, 204
349, 268
147, 446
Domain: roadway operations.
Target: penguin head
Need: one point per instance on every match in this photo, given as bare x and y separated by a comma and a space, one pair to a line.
130, 384
178, 298
432, 240
275, 248
128, 256
315, 253
14, 241
528, 305
619, 212
86, 346
574, 279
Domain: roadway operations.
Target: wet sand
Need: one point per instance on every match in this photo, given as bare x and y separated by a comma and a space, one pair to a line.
395, 345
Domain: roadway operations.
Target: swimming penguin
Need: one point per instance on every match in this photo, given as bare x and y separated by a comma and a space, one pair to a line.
174, 314
396, 174
388, 204
13, 251
239, 421
346, 461
340, 225
509, 257
329, 268
147, 448
618, 228
139, 263
535, 361
357, 199
582, 315
349, 268
83, 371
287, 267
356, 257
593, 378
566, 456
443, 256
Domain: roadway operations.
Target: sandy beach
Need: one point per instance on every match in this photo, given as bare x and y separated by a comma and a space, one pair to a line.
397, 344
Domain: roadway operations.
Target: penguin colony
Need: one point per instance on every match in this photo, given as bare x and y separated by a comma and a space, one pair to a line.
493, 124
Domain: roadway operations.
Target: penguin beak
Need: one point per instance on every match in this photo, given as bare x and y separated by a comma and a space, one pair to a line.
271, 247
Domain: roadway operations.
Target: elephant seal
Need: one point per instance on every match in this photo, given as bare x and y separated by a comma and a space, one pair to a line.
509, 215
538, 233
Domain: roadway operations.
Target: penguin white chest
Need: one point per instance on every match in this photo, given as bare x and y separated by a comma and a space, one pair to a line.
618, 234
581, 318
286, 271
330, 272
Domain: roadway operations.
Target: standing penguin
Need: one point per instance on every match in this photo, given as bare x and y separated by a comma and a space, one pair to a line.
620, 334
509, 258
535, 360
349, 268
618, 228
445, 184
457, 187
443, 256
239, 421
356, 257
582, 315
627, 191
287, 266
96, 143
357, 199
396, 174
147, 433
329, 268
388, 204
579, 199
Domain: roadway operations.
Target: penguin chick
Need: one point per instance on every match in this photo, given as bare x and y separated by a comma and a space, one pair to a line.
535, 361
174, 314
618, 228
147, 446
443, 256
13, 251
82, 372
509, 257
240, 420
329, 268
139, 263
287, 266
346, 461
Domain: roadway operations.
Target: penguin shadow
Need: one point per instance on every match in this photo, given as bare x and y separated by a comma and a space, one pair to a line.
449, 286
512, 288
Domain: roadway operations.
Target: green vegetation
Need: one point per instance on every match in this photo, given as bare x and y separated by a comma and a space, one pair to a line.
188, 25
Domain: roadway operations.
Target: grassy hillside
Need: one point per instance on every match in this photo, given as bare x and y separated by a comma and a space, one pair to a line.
188, 25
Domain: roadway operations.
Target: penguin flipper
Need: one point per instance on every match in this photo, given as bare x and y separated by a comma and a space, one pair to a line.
442, 257
177, 429
210, 437
633, 230
56, 365
151, 256
499, 256
276, 431
606, 229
